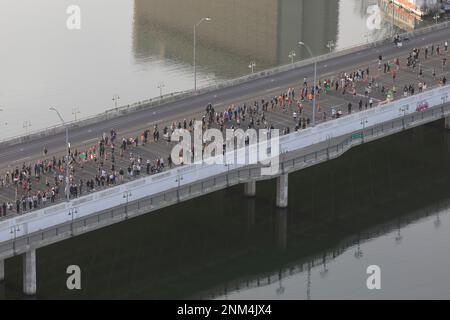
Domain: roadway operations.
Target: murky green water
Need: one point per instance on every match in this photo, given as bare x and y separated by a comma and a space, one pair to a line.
382, 204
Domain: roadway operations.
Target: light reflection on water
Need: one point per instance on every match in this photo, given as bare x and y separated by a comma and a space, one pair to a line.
413, 256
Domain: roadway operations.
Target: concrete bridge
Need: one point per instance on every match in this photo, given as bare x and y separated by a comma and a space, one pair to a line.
23, 234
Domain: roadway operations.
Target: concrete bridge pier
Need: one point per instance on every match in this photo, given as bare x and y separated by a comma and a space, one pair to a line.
447, 123
250, 189
29, 272
2, 270
282, 191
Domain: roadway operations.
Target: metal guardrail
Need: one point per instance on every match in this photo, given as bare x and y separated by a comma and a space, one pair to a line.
172, 97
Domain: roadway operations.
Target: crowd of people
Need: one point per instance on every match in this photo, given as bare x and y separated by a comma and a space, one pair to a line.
41, 183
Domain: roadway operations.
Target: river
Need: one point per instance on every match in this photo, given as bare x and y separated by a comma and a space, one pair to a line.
384, 204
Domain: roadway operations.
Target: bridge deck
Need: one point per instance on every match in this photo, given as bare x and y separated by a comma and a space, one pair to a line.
279, 117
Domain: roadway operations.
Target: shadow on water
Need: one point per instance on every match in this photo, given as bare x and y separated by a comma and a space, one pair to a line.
202, 248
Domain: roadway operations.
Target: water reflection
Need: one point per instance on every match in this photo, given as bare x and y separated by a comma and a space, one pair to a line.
240, 31
318, 268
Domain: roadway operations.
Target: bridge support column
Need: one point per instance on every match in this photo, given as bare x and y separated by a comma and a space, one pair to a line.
29, 272
250, 189
447, 123
282, 191
2, 270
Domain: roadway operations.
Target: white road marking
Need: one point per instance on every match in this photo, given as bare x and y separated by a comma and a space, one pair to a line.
272, 89
90, 140
23, 159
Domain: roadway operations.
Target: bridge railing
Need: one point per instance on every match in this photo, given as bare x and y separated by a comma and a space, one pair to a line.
369, 124
176, 96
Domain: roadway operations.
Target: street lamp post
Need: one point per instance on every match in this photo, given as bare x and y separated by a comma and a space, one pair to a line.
252, 66
14, 231
403, 110
161, 85
367, 35
66, 172
436, 17
331, 45
127, 195
26, 125
72, 213
116, 99
75, 111
315, 82
178, 180
195, 49
6, 123
292, 55
364, 122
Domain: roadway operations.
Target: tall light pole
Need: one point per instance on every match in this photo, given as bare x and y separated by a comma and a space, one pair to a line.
66, 172
436, 17
195, 49
75, 111
6, 123
331, 45
26, 125
127, 195
364, 122
252, 66
367, 35
301, 43
292, 55
116, 99
161, 85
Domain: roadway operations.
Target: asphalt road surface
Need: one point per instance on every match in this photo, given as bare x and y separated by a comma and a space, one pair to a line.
175, 110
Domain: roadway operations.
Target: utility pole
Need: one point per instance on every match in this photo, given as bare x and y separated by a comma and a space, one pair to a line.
195, 49
292, 55
116, 99
66, 171
252, 66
